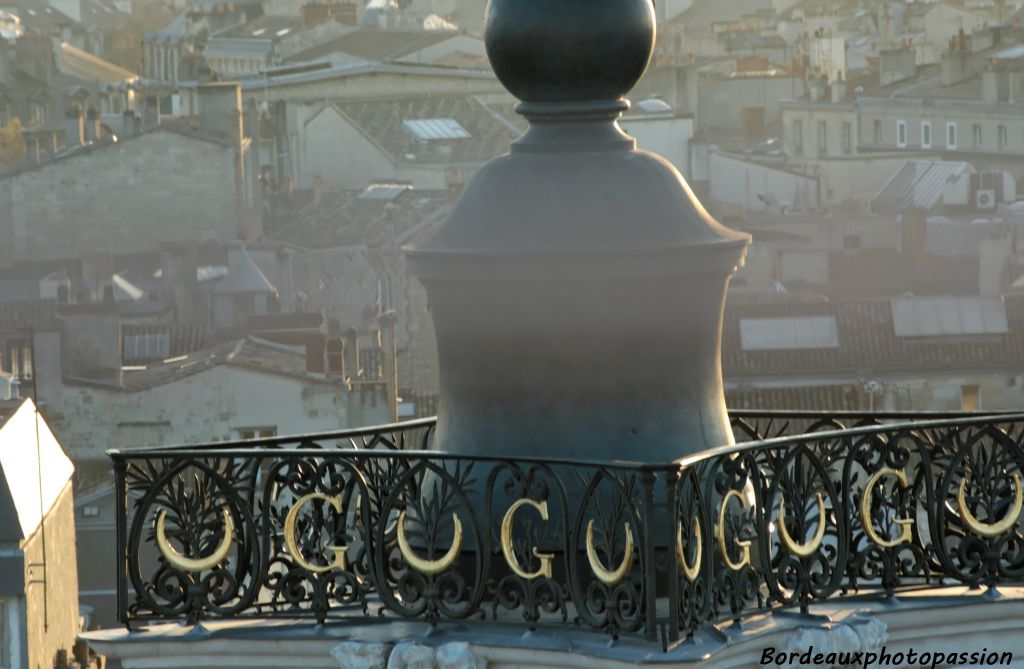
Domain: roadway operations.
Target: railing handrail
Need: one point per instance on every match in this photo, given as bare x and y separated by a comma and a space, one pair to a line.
824, 435
256, 446
868, 533
367, 454
347, 433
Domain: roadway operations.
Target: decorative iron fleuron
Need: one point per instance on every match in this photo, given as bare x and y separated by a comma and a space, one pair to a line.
312, 527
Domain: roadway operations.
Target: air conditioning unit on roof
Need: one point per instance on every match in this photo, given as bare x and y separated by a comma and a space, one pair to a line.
985, 199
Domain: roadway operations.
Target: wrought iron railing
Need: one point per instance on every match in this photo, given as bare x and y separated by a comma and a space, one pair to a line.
350, 526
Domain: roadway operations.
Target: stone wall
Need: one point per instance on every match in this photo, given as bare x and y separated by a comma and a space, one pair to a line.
129, 196
52, 622
212, 405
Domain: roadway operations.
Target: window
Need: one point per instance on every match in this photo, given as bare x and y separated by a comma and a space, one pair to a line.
257, 432
822, 138
146, 347
798, 138
951, 135
878, 132
847, 138
970, 398
926, 134
39, 113
976, 134
19, 359
901, 134
1004, 139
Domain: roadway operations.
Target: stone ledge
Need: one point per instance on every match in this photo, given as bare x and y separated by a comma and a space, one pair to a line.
946, 620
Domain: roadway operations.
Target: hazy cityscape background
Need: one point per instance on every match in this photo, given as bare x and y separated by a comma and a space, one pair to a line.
203, 205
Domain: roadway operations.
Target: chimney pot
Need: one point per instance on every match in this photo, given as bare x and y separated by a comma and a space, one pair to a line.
73, 127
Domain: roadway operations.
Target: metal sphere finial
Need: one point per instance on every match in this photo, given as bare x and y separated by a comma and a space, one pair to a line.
569, 50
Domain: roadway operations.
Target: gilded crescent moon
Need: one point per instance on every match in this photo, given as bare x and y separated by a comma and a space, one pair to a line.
609, 578
429, 567
690, 571
195, 565
865, 510
991, 530
798, 549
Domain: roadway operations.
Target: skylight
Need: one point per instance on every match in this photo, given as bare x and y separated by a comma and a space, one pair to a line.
948, 316
782, 334
427, 129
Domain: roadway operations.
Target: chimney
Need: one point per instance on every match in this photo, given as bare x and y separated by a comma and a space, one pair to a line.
91, 342
34, 56
991, 86
315, 352
92, 125
220, 109
389, 351
815, 89
315, 13
151, 113
897, 65
351, 352
73, 127
953, 66
839, 90
335, 349
180, 284
130, 123
914, 233
996, 260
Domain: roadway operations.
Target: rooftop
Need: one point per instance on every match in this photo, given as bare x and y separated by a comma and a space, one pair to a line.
372, 44
392, 124
250, 353
381, 215
874, 334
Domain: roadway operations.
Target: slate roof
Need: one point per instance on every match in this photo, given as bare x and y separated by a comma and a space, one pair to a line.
34, 315
268, 26
868, 341
243, 276
374, 44
918, 184
103, 15
382, 121
344, 218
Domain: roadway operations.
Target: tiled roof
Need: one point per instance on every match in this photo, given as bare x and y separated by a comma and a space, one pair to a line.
868, 341
383, 122
35, 315
842, 397
248, 353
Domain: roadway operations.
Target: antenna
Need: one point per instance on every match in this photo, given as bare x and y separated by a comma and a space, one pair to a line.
39, 481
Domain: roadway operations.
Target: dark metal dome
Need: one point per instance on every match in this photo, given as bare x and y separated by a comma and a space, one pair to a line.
568, 50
